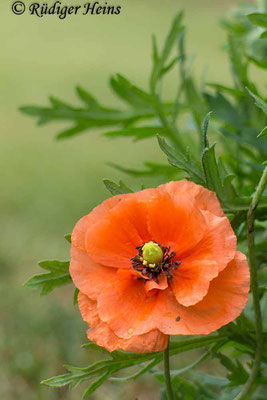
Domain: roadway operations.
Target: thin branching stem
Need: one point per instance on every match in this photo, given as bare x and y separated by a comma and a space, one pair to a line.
170, 128
245, 393
166, 360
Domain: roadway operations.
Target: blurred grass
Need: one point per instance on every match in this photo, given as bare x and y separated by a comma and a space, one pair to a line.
46, 186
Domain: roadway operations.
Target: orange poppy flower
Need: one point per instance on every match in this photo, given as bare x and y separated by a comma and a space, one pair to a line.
155, 263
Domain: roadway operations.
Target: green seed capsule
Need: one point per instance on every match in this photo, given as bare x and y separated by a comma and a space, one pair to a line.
152, 253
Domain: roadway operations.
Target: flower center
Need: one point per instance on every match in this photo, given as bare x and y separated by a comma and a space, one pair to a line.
153, 259
152, 254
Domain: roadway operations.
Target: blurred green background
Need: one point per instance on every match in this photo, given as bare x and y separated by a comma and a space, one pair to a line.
46, 186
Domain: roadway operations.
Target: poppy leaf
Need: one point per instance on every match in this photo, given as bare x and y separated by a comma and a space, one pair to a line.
223, 109
218, 180
58, 276
73, 131
121, 360
211, 170
210, 379
169, 66
130, 93
183, 162
87, 98
171, 39
155, 49
142, 371
98, 382
116, 189
259, 102
48, 282
55, 265
174, 373
263, 132
151, 169
259, 63
226, 89
237, 374
160, 58
263, 35
205, 126
86, 118
195, 99
75, 296
259, 19
93, 346
138, 133
223, 187
68, 237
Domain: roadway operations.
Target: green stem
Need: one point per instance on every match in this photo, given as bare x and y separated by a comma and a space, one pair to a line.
245, 393
171, 129
166, 360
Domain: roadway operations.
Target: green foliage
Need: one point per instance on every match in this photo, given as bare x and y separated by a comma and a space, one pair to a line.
259, 102
161, 58
237, 374
259, 19
183, 162
115, 189
131, 94
75, 296
137, 133
151, 169
58, 276
102, 370
239, 126
263, 132
68, 237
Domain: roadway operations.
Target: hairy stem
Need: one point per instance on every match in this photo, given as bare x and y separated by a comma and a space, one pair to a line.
170, 128
245, 393
166, 360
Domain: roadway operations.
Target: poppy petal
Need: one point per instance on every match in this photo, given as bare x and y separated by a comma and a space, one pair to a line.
126, 307
113, 240
192, 280
205, 199
152, 341
80, 229
226, 298
218, 243
128, 311
102, 335
175, 222
89, 277
88, 310
203, 263
152, 285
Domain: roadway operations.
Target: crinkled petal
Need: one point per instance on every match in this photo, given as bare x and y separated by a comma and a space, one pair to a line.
152, 341
102, 335
205, 199
226, 298
89, 277
152, 285
191, 281
125, 306
175, 222
80, 229
88, 310
128, 311
218, 243
113, 240
204, 261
